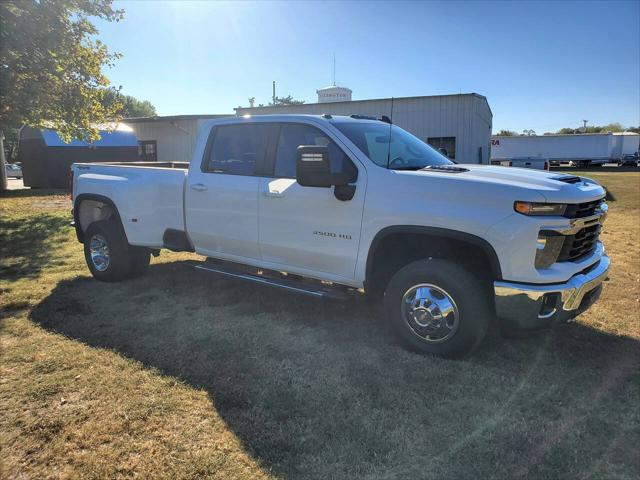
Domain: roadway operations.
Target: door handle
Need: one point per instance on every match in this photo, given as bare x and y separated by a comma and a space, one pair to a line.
199, 187
273, 194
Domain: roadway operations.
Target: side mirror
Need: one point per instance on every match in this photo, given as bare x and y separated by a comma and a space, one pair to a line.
313, 168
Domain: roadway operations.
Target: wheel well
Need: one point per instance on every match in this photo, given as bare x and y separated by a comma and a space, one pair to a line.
392, 251
90, 210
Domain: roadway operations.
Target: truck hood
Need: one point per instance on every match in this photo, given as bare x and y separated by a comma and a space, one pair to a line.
555, 187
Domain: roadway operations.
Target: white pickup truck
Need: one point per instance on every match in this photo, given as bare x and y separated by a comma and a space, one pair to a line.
335, 206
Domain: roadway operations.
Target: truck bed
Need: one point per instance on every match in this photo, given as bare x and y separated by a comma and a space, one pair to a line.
149, 196
177, 165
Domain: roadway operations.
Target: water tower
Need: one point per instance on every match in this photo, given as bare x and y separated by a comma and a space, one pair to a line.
334, 94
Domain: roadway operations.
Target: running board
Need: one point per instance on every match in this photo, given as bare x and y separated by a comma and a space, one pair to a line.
291, 285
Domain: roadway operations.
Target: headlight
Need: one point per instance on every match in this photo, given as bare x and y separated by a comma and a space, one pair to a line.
532, 208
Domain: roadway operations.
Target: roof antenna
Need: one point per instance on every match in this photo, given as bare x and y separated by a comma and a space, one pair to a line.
390, 125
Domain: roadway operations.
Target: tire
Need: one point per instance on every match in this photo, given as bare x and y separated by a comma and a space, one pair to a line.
117, 263
140, 259
451, 288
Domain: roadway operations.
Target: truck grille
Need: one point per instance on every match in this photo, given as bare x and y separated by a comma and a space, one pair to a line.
580, 210
580, 245
584, 242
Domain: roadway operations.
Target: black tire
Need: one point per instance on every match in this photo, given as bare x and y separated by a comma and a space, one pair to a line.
463, 288
140, 259
118, 266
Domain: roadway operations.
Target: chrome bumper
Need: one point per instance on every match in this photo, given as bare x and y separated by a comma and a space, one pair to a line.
531, 306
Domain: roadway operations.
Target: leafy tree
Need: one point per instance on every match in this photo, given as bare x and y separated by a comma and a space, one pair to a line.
611, 127
633, 129
529, 133
51, 66
128, 106
288, 100
506, 133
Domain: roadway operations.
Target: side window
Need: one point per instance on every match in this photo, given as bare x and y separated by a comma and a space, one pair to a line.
238, 149
294, 135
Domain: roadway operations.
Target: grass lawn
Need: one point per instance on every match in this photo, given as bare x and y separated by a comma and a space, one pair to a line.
183, 375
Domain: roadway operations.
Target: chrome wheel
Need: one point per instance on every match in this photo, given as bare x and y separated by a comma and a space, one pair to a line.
430, 312
99, 250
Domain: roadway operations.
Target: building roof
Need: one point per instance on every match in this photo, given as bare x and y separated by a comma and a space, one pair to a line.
173, 118
118, 135
373, 100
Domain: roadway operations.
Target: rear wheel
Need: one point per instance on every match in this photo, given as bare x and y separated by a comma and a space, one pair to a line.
106, 251
437, 307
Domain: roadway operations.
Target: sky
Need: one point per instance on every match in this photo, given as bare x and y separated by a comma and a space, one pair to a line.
541, 65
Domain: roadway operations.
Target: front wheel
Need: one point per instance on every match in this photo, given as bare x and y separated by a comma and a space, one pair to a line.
437, 307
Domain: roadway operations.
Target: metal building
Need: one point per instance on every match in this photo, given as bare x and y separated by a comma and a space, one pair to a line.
167, 139
46, 158
459, 124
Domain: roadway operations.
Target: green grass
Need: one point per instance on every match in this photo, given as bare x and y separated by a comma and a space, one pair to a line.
183, 375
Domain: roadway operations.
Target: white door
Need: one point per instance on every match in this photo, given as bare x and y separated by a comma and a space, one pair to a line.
308, 228
221, 199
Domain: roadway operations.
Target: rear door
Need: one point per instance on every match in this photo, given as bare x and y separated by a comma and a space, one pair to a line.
307, 229
221, 197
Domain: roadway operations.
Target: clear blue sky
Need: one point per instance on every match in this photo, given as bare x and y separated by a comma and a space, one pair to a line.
541, 65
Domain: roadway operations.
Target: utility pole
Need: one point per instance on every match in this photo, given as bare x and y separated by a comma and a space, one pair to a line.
274, 92
584, 126
334, 69
3, 172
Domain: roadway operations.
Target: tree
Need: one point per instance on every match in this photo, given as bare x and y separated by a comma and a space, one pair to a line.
633, 129
506, 133
611, 127
529, 133
129, 107
51, 67
288, 100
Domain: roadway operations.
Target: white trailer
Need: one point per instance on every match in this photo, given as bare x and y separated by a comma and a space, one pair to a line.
583, 149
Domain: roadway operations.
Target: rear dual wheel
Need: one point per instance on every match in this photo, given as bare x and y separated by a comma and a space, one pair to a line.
109, 256
437, 307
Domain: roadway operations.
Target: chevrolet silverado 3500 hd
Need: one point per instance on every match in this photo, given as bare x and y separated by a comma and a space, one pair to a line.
328, 205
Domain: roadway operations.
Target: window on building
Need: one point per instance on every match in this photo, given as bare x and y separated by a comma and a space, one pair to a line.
238, 149
147, 150
445, 145
294, 135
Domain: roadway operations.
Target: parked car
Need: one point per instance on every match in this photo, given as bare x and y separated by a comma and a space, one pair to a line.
12, 170
629, 160
350, 206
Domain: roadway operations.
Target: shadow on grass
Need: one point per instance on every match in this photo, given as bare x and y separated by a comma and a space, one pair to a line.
28, 244
323, 390
32, 192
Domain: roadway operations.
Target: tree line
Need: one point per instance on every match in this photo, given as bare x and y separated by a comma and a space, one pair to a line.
615, 127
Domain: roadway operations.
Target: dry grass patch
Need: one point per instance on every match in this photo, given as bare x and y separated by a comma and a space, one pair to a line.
183, 375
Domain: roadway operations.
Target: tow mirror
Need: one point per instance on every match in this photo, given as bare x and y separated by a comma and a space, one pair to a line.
313, 168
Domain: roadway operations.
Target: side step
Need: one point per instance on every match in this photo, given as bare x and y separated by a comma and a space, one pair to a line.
314, 290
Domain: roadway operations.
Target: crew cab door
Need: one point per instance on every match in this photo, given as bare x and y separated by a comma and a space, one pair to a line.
221, 196
307, 229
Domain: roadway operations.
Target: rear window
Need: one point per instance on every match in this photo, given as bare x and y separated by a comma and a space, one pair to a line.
238, 149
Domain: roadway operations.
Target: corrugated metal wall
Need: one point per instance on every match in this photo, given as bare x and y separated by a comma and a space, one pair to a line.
175, 139
466, 117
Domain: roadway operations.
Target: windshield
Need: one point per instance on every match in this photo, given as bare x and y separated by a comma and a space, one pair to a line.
406, 153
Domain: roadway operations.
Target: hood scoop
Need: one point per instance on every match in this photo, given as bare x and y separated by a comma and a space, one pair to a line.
444, 168
569, 179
